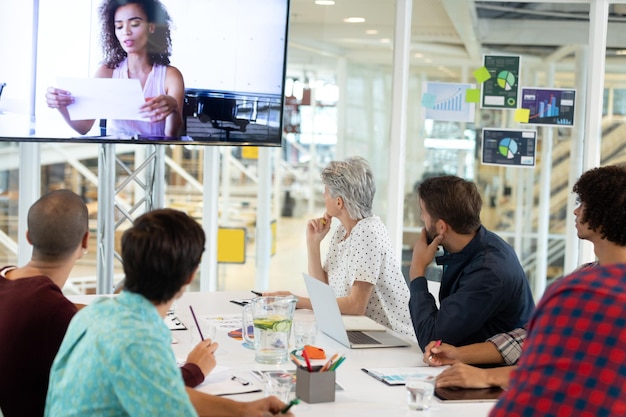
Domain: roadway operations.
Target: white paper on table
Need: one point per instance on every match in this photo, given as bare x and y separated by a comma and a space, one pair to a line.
223, 381
104, 98
225, 322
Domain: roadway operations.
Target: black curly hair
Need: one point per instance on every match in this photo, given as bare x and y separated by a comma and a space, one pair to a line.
603, 192
159, 43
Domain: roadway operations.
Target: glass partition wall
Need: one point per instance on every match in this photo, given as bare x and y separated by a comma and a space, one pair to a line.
338, 103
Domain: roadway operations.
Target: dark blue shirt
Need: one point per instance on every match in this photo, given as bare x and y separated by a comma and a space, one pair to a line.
484, 291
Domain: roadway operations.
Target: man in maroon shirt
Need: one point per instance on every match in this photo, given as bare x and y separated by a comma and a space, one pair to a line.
34, 313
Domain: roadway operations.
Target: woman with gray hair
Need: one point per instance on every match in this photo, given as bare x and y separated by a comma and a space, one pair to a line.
360, 265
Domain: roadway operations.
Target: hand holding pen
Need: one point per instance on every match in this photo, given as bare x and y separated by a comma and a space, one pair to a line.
291, 404
438, 354
436, 345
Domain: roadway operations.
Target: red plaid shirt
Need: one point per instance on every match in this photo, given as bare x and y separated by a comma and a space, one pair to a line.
574, 360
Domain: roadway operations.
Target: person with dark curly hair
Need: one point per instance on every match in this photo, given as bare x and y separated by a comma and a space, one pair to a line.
600, 217
573, 359
601, 212
137, 44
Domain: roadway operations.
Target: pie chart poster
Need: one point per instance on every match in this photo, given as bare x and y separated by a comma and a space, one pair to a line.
501, 90
507, 147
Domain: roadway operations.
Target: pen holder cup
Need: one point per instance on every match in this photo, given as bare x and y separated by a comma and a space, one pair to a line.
315, 387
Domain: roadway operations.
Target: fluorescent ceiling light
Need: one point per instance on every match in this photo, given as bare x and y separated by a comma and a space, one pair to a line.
371, 32
354, 19
325, 2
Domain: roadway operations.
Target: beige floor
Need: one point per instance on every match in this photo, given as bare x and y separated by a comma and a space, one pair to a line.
286, 266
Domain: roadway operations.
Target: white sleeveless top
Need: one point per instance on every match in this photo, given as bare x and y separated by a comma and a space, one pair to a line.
155, 85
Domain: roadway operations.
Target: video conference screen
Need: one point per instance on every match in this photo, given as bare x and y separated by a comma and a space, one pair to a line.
229, 56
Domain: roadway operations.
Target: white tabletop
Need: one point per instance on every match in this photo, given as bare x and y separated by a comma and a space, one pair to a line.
361, 394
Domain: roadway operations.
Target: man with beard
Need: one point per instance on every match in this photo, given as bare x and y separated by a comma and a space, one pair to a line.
484, 290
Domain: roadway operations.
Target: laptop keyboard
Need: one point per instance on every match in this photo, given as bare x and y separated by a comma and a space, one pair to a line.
360, 338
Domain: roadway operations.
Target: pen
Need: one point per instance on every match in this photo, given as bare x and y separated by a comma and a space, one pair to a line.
336, 364
288, 406
295, 360
196, 320
240, 380
437, 344
329, 363
306, 359
373, 375
256, 293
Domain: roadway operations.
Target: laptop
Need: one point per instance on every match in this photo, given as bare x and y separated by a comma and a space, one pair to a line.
355, 332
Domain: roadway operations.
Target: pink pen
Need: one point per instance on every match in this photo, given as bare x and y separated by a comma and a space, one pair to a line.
437, 344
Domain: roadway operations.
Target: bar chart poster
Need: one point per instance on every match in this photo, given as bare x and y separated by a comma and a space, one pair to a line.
502, 89
447, 102
549, 106
508, 147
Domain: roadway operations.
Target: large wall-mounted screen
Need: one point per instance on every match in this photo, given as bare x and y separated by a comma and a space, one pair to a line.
224, 83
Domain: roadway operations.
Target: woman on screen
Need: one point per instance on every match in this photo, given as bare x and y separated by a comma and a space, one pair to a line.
137, 44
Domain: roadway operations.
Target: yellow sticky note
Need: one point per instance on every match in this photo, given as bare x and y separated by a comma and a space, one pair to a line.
522, 115
472, 95
482, 74
250, 152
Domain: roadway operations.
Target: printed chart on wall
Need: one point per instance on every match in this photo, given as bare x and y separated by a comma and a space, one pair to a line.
549, 106
508, 147
501, 90
447, 101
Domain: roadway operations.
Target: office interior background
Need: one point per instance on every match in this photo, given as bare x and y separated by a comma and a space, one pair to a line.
354, 85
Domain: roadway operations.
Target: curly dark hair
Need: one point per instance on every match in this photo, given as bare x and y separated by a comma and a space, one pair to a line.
603, 192
159, 43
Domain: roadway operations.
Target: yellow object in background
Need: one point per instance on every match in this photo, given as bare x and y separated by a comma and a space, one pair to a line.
250, 152
522, 115
231, 245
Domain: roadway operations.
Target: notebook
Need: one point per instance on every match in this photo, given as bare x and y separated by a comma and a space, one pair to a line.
357, 332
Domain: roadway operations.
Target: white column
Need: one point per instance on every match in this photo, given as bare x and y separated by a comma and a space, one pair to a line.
397, 145
263, 218
342, 81
572, 243
598, 19
226, 152
314, 179
543, 224
29, 186
210, 180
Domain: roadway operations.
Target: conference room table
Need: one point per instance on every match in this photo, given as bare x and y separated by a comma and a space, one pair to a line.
360, 394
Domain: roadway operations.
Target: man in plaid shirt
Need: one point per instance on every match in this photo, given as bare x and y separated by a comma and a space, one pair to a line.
601, 219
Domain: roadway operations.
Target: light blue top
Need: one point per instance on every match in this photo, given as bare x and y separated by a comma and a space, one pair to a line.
116, 360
